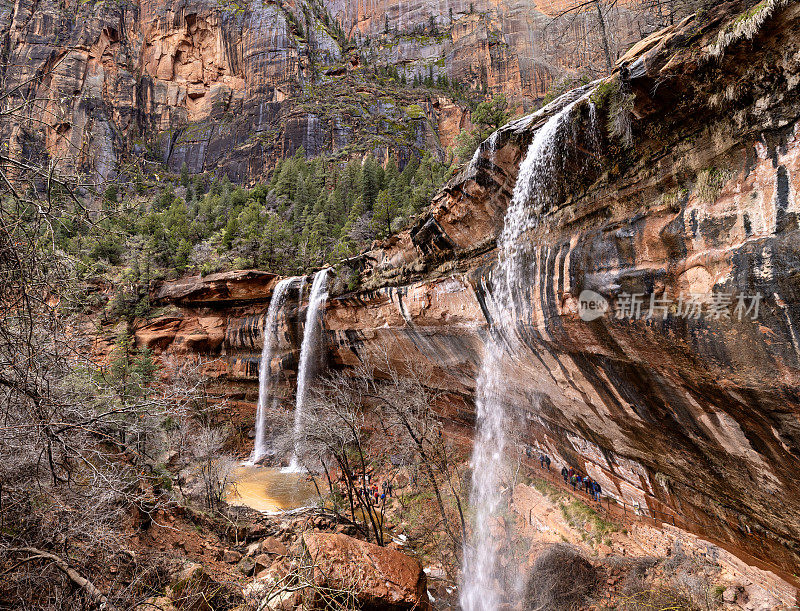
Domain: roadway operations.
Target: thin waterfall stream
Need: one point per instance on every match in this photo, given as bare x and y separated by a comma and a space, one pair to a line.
482, 588
309, 357
270, 342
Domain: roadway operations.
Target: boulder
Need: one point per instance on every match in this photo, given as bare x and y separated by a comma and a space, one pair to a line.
156, 603
192, 588
254, 592
262, 561
262, 595
282, 600
231, 556
273, 546
277, 570
730, 594
247, 565
256, 531
381, 578
285, 601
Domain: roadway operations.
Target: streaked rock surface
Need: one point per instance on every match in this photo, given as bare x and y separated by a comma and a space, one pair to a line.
693, 419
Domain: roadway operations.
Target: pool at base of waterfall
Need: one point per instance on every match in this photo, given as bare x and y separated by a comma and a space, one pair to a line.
271, 489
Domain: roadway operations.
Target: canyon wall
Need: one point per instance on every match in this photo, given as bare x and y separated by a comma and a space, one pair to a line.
691, 414
694, 416
120, 89
124, 88
514, 47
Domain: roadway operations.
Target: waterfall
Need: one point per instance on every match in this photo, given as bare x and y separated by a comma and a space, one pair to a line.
489, 145
492, 143
302, 290
309, 353
481, 587
270, 343
310, 141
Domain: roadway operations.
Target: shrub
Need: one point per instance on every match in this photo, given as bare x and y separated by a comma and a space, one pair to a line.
561, 580
210, 268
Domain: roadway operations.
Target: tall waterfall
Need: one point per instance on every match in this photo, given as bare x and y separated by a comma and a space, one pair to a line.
309, 355
270, 342
481, 589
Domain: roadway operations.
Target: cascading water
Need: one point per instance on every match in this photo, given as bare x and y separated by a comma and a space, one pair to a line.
481, 589
492, 143
270, 342
309, 353
302, 290
489, 146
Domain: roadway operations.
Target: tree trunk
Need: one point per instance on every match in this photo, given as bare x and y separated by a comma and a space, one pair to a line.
79, 580
606, 49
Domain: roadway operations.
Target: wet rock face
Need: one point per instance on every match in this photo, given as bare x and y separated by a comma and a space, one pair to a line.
218, 322
514, 46
693, 417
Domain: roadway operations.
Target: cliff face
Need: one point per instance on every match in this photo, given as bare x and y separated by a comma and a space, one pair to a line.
120, 87
126, 86
693, 418
515, 47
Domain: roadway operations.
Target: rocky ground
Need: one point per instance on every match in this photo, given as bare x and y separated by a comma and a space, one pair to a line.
631, 573
553, 537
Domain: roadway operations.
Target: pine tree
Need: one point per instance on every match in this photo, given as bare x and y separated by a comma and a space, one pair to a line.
490, 115
185, 180
276, 172
319, 238
287, 181
352, 183
231, 229
334, 209
303, 201
274, 235
386, 210
407, 175
182, 254
370, 183
391, 172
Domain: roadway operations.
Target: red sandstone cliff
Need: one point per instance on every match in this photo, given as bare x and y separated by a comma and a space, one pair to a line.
125, 86
693, 418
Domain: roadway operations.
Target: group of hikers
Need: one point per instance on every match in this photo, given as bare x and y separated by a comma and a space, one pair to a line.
584, 483
377, 496
373, 494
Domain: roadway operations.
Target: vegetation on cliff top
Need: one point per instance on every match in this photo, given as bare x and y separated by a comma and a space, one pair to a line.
312, 212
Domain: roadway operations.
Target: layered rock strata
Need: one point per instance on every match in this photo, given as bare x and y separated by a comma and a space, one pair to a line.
691, 418
117, 89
